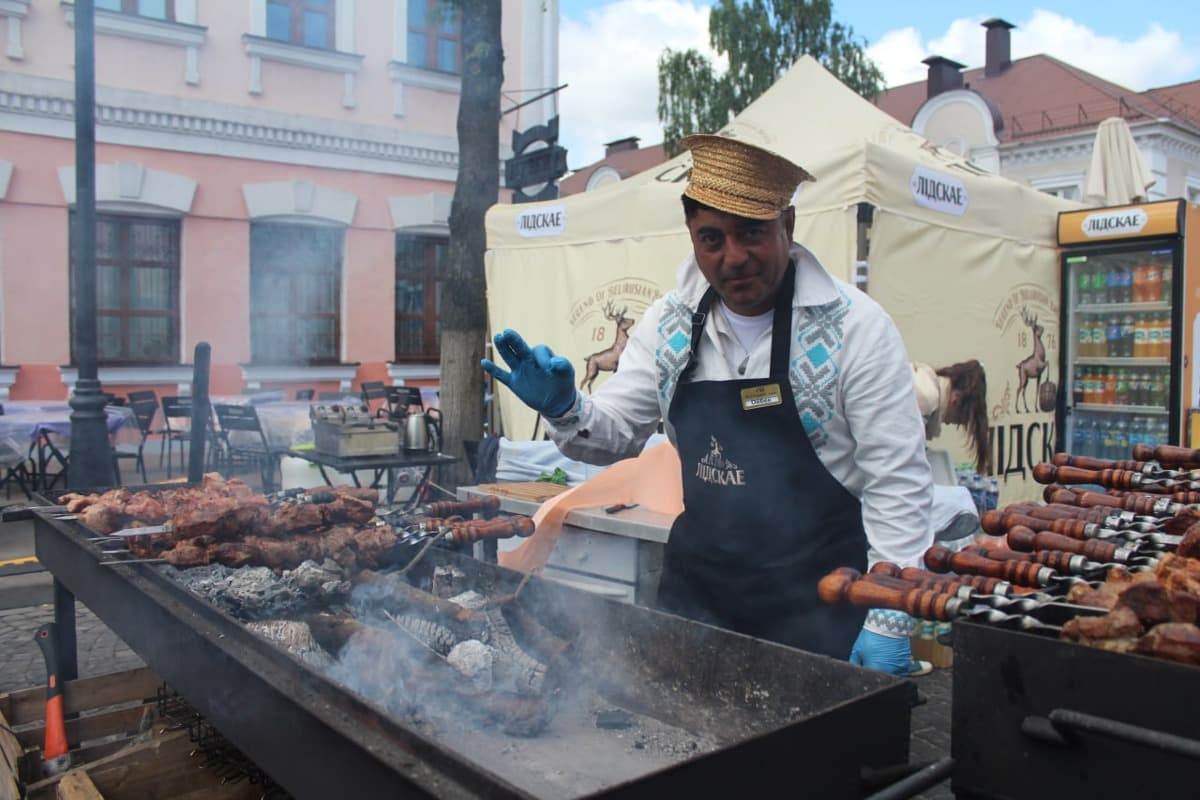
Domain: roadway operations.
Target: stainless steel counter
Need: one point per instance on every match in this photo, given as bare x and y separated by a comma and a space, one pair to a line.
617, 555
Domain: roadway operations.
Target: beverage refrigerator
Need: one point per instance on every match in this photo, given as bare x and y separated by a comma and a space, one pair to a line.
1130, 325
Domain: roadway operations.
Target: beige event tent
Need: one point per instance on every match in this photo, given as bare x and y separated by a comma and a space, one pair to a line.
964, 261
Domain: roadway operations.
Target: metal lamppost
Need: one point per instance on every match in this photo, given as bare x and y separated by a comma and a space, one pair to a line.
91, 453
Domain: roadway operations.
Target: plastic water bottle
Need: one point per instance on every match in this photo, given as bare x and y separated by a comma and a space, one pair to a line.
1079, 438
979, 492
1121, 439
1091, 444
993, 494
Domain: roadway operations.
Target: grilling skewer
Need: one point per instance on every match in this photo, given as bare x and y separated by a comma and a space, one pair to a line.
1139, 503
1113, 479
1023, 539
1149, 469
1167, 455
997, 523
471, 531
844, 585
1023, 573
930, 580
1106, 517
1023, 604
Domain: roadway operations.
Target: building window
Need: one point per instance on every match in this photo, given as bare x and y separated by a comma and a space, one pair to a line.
1193, 193
433, 35
1064, 192
421, 265
295, 293
155, 9
137, 290
306, 22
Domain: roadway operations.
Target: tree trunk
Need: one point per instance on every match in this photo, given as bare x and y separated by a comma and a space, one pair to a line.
464, 307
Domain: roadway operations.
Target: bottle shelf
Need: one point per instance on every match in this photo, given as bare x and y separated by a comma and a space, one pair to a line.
1115, 308
1121, 361
1113, 408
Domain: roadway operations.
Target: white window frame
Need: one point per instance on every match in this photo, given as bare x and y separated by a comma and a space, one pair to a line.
404, 74
15, 11
341, 58
1056, 184
183, 32
1191, 188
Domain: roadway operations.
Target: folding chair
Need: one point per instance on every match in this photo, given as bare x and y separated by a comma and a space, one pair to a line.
305, 394
144, 411
247, 449
175, 408
14, 462
49, 451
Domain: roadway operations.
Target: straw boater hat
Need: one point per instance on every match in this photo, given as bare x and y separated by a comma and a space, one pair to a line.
740, 178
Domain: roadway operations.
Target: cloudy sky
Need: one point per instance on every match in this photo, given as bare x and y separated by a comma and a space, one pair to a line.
608, 49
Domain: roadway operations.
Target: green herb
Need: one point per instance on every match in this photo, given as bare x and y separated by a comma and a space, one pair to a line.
559, 476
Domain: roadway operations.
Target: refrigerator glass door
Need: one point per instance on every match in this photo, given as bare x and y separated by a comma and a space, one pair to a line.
1119, 352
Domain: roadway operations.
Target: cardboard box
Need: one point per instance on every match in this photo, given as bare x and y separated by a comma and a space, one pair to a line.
929, 650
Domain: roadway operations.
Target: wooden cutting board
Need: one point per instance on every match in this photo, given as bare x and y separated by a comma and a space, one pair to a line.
533, 491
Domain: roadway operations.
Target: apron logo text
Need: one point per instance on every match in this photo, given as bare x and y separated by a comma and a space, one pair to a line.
715, 469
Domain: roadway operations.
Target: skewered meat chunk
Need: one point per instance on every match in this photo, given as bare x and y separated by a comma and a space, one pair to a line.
347, 508
233, 554
1118, 623
1154, 603
145, 507
298, 517
360, 493
187, 554
1189, 545
103, 517
1175, 641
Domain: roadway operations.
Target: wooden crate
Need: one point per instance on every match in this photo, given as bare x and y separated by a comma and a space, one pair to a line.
120, 746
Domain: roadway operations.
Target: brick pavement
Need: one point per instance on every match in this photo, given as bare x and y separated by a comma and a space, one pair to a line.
21, 664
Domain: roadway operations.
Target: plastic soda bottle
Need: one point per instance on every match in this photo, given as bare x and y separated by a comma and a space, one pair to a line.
1110, 386
1112, 285
1165, 336
1112, 336
1124, 284
1084, 285
1141, 336
1077, 387
1121, 439
1121, 397
1153, 284
1165, 283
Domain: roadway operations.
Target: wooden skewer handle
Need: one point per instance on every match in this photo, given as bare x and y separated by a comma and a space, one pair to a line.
1084, 462
448, 508
494, 529
1112, 478
999, 523
843, 585
932, 580
1024, 539
1054, 559
1169, 456
1137, 502
941, 559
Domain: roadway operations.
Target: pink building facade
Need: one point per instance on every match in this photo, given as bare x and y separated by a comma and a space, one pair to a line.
273, 177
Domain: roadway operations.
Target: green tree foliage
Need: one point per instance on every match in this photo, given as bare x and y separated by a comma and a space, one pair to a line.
761, 39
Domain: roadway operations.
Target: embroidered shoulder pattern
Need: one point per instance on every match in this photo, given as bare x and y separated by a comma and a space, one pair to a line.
814, 371
674, 344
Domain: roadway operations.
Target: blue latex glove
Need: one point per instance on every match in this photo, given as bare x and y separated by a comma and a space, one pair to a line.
884, 653
544, 382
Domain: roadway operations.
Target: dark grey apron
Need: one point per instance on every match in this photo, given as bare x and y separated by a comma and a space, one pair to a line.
763, 519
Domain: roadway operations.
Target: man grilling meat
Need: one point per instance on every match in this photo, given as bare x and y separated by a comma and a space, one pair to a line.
789, 396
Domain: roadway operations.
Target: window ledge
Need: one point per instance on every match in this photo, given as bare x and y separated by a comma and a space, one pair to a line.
256, 375
289, 53
14, 8
401, 372
154, 30
179, 375
424, 78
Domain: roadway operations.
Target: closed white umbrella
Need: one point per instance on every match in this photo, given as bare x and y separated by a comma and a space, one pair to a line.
1118, 175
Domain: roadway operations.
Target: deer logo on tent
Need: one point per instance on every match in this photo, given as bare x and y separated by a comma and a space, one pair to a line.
1034, 365
606, 360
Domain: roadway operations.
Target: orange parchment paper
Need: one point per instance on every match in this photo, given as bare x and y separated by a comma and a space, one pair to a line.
652, 480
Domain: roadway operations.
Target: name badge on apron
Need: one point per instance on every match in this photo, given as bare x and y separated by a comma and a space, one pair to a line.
761, 397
